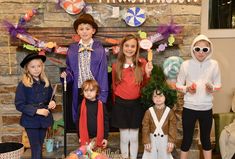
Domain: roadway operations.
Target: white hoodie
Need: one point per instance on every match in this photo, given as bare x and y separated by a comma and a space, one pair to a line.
200, 73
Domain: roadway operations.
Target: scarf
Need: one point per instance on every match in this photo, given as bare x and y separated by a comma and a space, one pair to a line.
83, 131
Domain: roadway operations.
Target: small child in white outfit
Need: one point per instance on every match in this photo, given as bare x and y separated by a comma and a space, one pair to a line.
159, 129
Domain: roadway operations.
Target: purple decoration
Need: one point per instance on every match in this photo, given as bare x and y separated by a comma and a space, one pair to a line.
161, 47
171, 28
35, 11
86, 9
58, 4
21, 21
79, 153
13, 31
156, 37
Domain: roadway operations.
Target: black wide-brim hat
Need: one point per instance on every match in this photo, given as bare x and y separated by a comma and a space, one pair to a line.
85, 19
30, 57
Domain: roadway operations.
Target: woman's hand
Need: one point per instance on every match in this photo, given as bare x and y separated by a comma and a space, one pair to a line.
170, 147
43, 112
104, 143
52, 105
209, 88
192, 89
63, 74
148, 68
147, 147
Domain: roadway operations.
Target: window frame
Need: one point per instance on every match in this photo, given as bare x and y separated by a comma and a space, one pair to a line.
212, 33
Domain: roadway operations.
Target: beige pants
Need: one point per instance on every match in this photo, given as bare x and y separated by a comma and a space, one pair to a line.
227, 144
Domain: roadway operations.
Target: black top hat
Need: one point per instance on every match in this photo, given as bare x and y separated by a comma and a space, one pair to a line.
30, 57
85, 19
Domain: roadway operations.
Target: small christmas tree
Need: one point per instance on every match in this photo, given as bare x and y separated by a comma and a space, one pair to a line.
158, 80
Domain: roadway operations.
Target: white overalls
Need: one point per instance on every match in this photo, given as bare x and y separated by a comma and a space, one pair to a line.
158, 140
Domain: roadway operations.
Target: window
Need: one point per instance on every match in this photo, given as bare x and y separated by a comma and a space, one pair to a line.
218, 18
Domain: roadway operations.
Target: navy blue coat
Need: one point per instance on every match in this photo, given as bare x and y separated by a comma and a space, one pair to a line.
29, 99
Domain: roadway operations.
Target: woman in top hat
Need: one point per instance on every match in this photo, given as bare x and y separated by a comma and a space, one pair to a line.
34, 100
85, 60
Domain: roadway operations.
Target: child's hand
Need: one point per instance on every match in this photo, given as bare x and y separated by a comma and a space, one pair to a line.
52, 105
43, 112
147, 147
192, 89
148, 68
63, 74
104, 143
170, 147
209, 88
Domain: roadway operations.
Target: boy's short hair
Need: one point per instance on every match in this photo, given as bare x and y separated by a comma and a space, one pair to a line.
85, 19
90, 83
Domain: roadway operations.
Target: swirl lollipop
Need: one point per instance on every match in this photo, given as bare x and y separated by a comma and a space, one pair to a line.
134, 17
171, 67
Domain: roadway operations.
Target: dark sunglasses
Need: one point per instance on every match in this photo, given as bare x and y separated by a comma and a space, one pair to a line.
201, 49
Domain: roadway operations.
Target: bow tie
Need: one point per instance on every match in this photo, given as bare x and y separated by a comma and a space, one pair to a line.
85, 48
128, 65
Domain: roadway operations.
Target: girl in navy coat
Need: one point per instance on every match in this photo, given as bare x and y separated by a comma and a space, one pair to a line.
33, 100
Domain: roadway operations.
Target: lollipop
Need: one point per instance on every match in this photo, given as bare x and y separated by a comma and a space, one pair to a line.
147, 45
171, 66
134, 16
150, 55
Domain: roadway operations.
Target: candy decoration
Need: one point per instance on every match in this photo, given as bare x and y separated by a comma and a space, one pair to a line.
193, 86
79, 152
73, 6
171, 39
161, 47
94, 154
156, 37
73, 156
135, 16
30, 47
100, 156
83, 149
142, 34
29, 14
171, 66
146, 44
150, 55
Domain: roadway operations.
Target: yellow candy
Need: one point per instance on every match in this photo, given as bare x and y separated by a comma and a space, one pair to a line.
171, 39
94, 154
50, 45
150, 55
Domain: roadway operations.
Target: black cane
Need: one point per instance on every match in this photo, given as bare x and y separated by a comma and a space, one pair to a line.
65, 107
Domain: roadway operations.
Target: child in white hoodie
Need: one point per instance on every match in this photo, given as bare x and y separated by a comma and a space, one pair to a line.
198, 78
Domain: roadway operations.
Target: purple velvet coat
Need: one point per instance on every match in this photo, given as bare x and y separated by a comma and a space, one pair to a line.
99, 69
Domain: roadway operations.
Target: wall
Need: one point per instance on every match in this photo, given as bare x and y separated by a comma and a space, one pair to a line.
224, 53
185, 14
223, 40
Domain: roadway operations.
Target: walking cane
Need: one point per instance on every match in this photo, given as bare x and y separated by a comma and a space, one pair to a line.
65, 107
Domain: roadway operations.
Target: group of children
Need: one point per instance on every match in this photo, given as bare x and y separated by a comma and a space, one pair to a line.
87, 71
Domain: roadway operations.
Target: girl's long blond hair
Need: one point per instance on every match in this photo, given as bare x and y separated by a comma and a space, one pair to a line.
27, 78
121, 61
